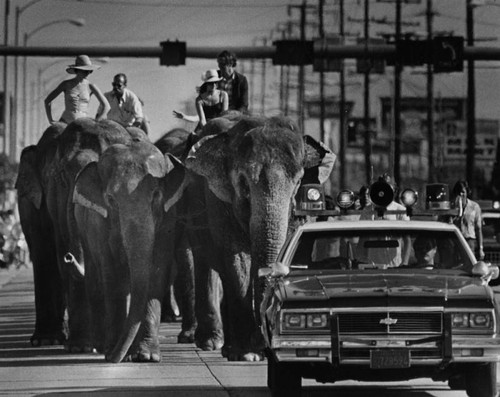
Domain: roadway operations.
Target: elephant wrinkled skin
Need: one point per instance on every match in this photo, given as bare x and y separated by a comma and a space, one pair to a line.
45, 183
239, 203
122, 212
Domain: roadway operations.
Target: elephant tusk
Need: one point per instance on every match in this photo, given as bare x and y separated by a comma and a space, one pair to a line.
78, 270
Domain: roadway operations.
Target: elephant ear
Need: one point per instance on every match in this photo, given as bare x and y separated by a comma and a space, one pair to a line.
318, 160
175, 181
28, 181
208, 158
88, 191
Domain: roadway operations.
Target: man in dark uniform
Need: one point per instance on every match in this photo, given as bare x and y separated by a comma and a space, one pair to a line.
234, 83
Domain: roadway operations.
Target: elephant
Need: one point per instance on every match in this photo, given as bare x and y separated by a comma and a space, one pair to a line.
239, 202
122, 205
45, 182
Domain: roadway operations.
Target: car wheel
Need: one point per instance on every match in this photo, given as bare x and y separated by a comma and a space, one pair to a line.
481, 380
283, 379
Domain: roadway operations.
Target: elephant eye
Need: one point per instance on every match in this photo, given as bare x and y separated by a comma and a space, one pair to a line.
110, 201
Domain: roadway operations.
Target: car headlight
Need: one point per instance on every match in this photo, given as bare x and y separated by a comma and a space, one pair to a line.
313, 194
294, 321
482, 320
317, 320
303, 321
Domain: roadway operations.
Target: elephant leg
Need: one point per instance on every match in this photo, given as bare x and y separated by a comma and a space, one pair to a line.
243, 340
50, 325
209, 334
185, 290
79, 319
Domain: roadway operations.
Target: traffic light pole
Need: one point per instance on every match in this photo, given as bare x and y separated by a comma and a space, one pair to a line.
398, 68
471, 100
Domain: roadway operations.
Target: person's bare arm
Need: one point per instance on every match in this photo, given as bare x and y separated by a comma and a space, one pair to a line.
225, 101
48, 101
182, 116
201, 112
479, 233
105, 107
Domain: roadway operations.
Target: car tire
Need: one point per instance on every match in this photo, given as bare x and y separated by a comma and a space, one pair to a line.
283, 379
481, 380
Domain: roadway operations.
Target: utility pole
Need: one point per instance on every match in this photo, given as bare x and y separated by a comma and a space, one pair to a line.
471, 99
398, 68
342, 123
367, 126
263, 82
301, 94
321, 75
430, 98
6, 118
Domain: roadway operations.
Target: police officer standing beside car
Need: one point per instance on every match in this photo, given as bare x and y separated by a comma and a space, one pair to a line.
470, 220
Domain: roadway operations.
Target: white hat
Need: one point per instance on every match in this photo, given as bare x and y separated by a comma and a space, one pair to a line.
210, 76
82, 62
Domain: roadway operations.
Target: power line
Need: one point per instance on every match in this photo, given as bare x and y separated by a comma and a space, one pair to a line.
179, 5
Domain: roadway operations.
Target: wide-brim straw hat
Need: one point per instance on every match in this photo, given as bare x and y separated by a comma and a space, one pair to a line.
210, 76
82, 62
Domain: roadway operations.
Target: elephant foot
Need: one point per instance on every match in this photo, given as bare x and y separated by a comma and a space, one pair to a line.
75, 349
213, 342
143, 354
234, 355
186, 337
79, 346
40, 339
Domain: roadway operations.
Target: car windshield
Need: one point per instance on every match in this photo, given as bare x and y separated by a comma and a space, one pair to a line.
380, 249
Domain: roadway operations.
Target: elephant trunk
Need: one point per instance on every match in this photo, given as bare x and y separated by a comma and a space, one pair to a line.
77, 271
268, 230
138, 240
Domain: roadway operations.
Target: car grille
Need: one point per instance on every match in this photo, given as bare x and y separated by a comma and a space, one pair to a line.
391, 323
364, 354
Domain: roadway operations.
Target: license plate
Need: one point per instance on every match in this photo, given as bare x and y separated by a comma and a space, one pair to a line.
389, 358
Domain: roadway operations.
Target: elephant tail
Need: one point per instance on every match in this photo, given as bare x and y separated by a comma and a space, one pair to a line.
76, 270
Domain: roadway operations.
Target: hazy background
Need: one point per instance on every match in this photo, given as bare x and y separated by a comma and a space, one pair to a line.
220, 23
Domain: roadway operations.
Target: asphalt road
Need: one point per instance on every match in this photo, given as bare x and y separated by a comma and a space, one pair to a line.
185, 371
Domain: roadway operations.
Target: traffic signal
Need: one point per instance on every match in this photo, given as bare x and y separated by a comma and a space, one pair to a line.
293, 52
448, 54
413, 52
173, 53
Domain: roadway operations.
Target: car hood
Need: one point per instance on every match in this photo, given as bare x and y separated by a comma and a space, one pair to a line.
411, 285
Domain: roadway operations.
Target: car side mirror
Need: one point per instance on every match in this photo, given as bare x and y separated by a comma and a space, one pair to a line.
485, 270
276, 270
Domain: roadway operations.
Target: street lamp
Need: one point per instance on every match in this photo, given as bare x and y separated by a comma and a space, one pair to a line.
77, 22
19, 11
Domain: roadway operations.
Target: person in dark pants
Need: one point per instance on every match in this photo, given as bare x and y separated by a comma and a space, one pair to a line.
234, 83
470, 221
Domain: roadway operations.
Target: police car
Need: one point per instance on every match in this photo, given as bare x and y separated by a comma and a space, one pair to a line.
380, 300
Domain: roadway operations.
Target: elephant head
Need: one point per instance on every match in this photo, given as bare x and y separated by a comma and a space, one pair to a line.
132, 186
256, 168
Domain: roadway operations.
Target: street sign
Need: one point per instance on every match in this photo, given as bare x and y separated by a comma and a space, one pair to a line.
448, 54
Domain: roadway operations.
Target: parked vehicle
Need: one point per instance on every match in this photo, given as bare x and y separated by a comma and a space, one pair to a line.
383, 300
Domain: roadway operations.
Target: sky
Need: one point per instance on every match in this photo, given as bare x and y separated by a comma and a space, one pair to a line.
219, 24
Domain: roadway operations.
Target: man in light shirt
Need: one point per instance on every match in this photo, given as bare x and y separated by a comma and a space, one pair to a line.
126, 107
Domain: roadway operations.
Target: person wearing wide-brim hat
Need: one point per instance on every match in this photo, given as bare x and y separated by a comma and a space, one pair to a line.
77, 92
210, 103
